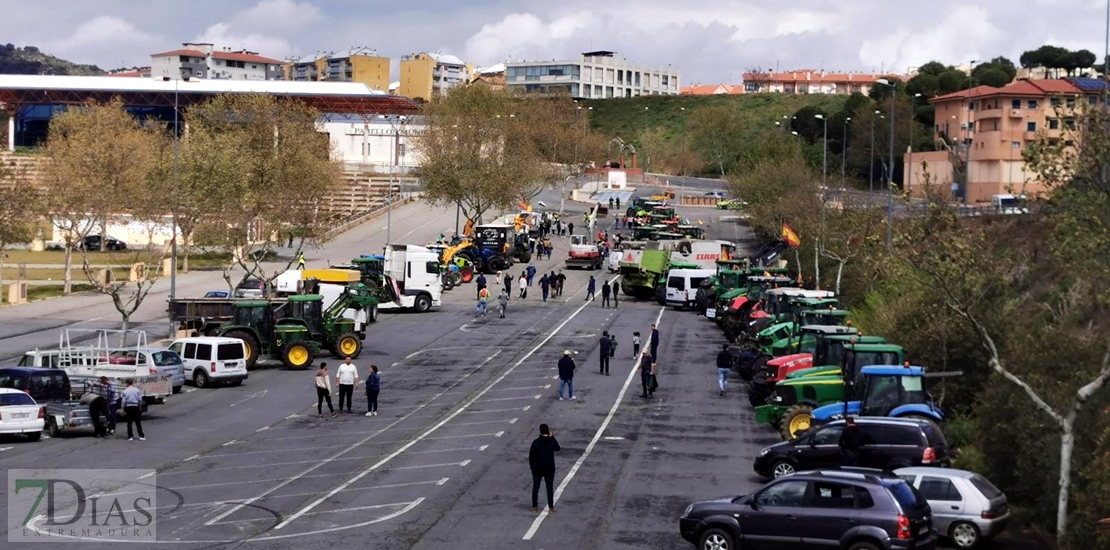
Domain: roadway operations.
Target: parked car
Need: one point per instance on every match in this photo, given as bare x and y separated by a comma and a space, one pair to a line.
890, 443
20, 414
41, 384
966, 506
212, 359
850, 509
92, 242
223, 294
251, 288
161, 361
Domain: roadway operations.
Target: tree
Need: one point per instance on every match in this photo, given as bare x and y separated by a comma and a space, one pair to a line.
474, 158
951, 81
847, 230
934, 68
102, 169
715, 135
879, 92
998, 64
993, 76
284, 174
809, 127
758, 77
926, 84
17, 211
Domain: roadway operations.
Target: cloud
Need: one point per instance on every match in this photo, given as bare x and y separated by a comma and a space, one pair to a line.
94, 39
965, 33
521, 33
264, 27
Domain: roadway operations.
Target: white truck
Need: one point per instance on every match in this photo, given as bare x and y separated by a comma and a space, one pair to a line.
416, 282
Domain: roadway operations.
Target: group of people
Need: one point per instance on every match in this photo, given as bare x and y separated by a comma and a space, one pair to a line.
347, 381
101, 398
607, 291
607, 345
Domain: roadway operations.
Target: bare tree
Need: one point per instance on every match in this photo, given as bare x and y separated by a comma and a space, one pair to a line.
17, 211
758, 77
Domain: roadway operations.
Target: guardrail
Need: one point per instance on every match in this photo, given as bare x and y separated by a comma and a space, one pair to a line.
363, 217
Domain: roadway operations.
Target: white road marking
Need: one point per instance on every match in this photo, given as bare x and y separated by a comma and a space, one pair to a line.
191, 390
513, 421
499, 434
517, 388
422, 466
445, 451
146, 475
262, 429
590, 447
232, 442
497, 410
2, 449
194, 457
483, 447
537, 396
251, 396
613, 438
442, 481
551, 334
356, 509
325, 461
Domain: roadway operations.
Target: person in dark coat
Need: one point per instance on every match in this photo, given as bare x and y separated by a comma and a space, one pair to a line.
562, 279
605, 290
545, 286
647, 370
606, 346
98, 407
591, 289
508, 284
480, 282
616, 290
654, 344
724, 368
851, 439
541, 460
566, 375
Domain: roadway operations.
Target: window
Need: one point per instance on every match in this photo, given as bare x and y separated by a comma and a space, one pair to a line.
1069, 123
1092, 100
162, 358
828, 436
1032, 104
986, 487
939, 488
225, 352
902, 435
833, 495
1068, 143
7, 399
786, 493
1070, 102
1031, 126
905, 495
1053, 124
677, 283
204, 352
190, 351
1015, 104
971, 106
1055, 102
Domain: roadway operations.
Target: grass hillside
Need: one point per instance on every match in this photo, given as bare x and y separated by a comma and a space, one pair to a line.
627, 117
29, 60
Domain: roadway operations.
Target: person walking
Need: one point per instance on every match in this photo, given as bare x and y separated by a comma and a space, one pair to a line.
605, 345
570, 228
300, 261
523, 282
323, 392
591, 289
654, 343
133, 409
480, 283
562, 279
545, 286
541, 460
724, 368
605, 290
508, 284
616, 290
647, 370
483, 302
851, 440
636, 342
566, 375
373, 388
346, 379
503, 301
610, 203
530, 273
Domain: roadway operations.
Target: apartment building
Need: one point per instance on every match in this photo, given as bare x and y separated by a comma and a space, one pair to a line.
355, 65
712, 89
809, 81
201, 60
595, 75
432, 73
982, 133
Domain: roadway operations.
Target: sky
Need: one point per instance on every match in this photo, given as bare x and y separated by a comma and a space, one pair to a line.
710, 41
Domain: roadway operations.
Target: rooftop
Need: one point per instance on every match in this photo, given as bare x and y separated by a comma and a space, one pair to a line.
1023, 88
235, 56
599, 53
446, 59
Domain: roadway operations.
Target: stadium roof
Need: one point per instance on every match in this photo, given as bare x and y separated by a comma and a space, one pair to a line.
329, 97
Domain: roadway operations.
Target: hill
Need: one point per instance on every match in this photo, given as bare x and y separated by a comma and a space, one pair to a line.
29, 60
627, 117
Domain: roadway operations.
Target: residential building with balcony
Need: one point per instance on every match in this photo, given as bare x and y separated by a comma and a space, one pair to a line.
355, 65
982, 133
809, 81
200, 60
425, 74
595, 75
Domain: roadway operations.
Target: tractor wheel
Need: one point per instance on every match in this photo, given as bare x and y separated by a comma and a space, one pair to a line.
250, 342
526, 257
467, 274
296, 355
448, 283
796, 419
661, 294
347, 345
372, 315
757, 396
456, 278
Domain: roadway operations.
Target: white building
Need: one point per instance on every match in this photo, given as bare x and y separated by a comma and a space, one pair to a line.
596, 75
364, 144
199, 60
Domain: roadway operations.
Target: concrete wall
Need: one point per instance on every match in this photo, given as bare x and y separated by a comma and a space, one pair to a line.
416, 78
372, 71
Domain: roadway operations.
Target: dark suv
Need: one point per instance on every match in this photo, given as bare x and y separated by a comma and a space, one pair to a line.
890, 443
853, 509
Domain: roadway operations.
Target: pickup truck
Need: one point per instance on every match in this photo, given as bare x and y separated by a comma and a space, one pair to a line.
60, 400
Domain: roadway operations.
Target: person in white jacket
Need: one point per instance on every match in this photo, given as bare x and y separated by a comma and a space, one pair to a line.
323, 391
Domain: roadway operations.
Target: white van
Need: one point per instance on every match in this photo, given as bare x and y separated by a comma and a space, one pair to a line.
212, 359
682, 285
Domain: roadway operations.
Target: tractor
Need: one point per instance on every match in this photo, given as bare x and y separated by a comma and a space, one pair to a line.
887, 390
799, 349
790, 406
296, 330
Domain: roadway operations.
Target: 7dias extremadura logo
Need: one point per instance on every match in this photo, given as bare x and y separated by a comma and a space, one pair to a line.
81, 505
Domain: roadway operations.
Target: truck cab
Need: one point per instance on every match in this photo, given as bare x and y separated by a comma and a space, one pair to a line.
414, 271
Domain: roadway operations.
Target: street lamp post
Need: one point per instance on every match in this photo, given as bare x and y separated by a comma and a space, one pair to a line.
392, 159
890, 169
643, 143
844, 153
909, 148
825, 151
871, 176
173, 212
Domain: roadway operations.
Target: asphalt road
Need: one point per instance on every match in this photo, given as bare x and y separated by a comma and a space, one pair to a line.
445, 463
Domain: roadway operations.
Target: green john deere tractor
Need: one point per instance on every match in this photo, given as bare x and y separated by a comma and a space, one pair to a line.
791, 405
295, 331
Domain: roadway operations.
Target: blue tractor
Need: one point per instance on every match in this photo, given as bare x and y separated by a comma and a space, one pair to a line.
888, 390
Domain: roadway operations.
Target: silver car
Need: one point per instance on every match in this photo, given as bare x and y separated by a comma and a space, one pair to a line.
966, 506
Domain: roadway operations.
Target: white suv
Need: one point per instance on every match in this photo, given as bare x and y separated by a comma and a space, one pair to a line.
212, 359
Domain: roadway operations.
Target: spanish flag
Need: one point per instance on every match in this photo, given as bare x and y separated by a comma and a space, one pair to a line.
790, 236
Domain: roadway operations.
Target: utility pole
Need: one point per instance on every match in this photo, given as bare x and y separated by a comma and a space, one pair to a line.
871, 177
844, 153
